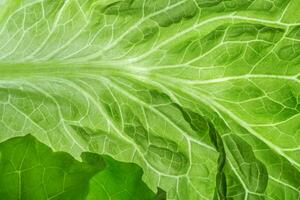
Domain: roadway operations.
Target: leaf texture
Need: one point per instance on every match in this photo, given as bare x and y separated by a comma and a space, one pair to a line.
203, 95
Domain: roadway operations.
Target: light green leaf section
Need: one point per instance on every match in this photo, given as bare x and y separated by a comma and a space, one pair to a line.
203, 95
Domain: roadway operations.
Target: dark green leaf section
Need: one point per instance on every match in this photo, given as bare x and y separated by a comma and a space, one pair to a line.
121, 181
30, 170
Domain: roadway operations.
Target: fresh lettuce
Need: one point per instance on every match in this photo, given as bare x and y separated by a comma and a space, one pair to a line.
203, 95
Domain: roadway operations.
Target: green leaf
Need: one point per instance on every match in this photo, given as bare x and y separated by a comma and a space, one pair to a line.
31, 170
202, 95
120, 181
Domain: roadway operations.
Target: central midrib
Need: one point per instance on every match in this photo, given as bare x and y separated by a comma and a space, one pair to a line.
26, 70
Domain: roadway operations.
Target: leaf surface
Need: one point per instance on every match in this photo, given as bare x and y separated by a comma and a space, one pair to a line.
203, 95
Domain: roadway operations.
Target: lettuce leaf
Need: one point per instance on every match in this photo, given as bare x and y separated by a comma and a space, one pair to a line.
202, 95
31, 170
